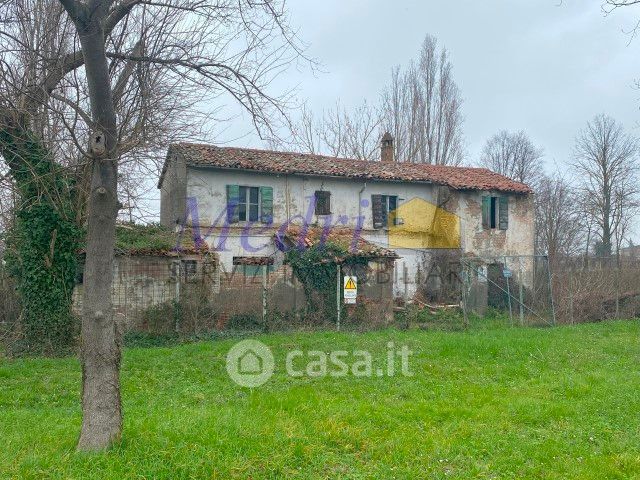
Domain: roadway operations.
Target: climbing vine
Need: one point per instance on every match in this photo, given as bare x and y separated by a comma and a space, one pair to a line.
42, 245
316, 268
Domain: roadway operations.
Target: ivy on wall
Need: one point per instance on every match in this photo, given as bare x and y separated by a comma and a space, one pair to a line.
42, 245
316, 268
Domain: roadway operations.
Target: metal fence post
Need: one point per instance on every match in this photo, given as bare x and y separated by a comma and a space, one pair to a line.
521, 294
553, 305
571, 320
508, 293
338, 275
177, 300
618, 266
405, 274
264, 296
465, 279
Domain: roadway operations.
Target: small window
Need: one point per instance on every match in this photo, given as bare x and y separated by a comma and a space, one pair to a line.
189, 270
495, 213
323, 202
382, 206
249, 204
184, 270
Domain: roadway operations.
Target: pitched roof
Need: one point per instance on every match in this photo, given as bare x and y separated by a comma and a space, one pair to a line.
458, 178
341, 236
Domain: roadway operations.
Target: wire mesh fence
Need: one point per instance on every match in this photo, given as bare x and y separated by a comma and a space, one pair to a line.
518, 286
193, 295
196, 294
590, 289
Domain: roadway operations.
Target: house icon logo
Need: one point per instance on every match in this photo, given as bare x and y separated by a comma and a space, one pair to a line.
250, 363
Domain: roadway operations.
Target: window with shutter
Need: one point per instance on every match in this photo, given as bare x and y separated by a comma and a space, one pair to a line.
377, 211
249, 204
486, 212
233, 199
266, 204
323, 202
503, 215
495, 213
382, 206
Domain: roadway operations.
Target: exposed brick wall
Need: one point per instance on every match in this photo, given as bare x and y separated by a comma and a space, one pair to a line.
145, 290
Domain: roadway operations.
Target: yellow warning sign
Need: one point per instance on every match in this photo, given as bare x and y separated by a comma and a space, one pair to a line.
350, 289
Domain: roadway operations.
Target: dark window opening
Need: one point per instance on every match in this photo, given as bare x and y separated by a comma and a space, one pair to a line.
184, 270
384, 207
495, 212
492, 213
80, 273
323, 202
389, 205
190, 268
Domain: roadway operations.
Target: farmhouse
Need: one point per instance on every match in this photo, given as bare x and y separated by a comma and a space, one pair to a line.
243, 201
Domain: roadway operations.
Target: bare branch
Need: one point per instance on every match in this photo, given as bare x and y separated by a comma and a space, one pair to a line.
515, 156
606, 164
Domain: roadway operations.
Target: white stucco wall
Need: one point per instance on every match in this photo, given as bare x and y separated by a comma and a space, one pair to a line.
292, 194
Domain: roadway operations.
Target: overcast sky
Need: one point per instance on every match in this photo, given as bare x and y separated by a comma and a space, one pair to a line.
544, 66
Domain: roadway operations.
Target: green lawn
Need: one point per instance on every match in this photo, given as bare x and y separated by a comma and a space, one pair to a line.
488, 403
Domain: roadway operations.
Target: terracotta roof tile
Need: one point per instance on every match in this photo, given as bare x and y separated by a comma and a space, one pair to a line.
340, 236
253, 261
459, 178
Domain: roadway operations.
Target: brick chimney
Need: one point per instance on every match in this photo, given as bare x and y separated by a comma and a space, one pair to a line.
386, 148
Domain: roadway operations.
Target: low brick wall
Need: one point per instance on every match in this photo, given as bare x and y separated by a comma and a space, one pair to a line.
192, 294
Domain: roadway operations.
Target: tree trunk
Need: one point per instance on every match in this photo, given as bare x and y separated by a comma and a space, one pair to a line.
101, 337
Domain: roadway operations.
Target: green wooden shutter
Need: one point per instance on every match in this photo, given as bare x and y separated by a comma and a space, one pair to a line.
486, 212
233, 198
377, 211
503, 215
266, 204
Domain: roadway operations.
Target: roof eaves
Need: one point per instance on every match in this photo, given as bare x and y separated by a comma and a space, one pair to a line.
285, 163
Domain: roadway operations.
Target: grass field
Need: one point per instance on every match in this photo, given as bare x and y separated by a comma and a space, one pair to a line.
488, 403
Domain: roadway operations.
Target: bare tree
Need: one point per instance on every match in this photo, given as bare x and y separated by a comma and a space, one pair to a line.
606, 164
626, 207
513, 155
610, 5
586, 208
422, 109
338, 132
559, 220
305, 134
154, 104
133, 51
352, 134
